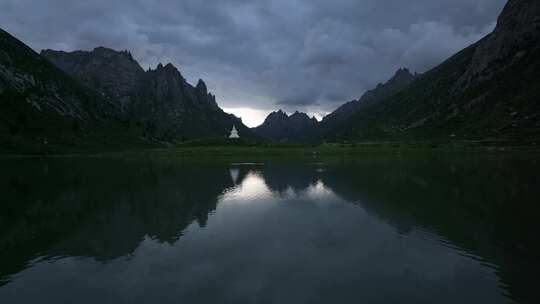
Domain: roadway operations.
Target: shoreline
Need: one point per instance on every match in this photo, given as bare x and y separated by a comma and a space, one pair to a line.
342, 149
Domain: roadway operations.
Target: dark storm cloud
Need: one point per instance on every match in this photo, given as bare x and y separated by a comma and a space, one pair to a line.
311, 55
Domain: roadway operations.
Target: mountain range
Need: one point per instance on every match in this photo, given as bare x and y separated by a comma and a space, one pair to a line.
100, 98
488, 91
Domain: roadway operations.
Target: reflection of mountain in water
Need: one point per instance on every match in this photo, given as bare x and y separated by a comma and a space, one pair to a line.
486, 207
101, 209
282, 177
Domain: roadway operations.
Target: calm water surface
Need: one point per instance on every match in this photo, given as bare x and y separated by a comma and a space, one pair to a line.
373, 230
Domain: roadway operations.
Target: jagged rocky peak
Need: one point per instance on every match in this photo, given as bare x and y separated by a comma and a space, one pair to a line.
169, 67
277, 115
402, 75
203, 95
168, 85
280, 112
300, 117
401, 78
104, 51
168, 73
201, 87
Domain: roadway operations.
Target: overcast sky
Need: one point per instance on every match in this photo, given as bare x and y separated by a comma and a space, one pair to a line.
257, 56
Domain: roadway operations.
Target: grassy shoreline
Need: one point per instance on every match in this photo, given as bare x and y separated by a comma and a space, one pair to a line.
344, 149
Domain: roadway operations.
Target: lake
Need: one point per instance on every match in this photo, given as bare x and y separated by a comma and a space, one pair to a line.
369, 229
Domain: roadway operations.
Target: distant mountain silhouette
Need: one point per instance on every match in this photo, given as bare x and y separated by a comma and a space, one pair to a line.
280, 127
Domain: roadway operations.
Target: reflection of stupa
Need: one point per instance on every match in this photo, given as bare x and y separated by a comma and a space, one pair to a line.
234, 174
234, 133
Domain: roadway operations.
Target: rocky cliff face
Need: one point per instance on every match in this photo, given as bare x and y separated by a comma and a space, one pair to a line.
41, 105
160, 101
516, 37
280, 127
115, 75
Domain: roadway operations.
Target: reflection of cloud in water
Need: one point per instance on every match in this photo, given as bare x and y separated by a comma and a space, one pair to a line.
252, 188
319, 190
316, 191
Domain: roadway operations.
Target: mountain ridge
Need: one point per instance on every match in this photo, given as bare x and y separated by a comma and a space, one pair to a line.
489, 90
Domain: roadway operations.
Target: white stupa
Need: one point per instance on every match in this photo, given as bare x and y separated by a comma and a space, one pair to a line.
234, 133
